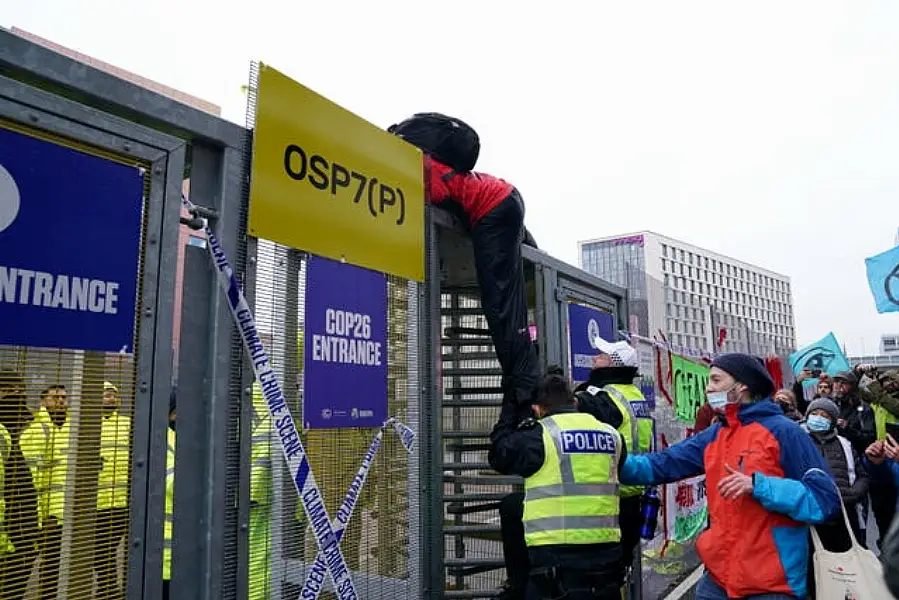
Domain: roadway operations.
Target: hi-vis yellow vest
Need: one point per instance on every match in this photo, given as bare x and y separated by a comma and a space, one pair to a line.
881, 417
113, 482
45, 447
636, 424
573, 498
5, 444
169, 507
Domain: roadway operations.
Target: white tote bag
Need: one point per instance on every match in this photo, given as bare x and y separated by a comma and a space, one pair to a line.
852, 575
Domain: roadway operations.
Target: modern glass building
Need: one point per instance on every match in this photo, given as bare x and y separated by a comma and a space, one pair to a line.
694, 296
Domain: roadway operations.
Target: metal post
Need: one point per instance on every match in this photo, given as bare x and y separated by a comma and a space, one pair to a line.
245, 442
430, 449
209, 385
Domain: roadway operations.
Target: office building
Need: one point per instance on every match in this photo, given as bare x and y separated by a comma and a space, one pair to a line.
695, 297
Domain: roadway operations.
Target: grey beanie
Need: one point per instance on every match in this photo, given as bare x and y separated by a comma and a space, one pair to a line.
825, 404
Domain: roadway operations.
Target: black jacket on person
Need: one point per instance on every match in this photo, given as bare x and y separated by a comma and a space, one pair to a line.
860, 429
832, 450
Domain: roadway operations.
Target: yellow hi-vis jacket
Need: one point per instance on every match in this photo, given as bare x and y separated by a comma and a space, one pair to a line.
636, 423
169, 507
6, 546
113, 482
573, 498
45, 447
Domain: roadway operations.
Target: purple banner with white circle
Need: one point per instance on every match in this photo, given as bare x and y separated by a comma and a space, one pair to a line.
584, 324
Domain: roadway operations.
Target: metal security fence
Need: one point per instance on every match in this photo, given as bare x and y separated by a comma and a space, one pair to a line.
470, 397
382, 542
195, 497
103, 514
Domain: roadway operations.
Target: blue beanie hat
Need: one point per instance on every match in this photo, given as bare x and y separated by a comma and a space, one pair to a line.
748, 370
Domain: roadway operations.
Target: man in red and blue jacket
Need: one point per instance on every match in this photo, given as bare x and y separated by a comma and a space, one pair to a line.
766, 483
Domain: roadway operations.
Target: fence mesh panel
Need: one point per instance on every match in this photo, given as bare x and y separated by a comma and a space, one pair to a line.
66, 427
381, 543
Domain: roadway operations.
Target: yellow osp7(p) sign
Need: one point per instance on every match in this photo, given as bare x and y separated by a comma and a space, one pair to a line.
326, 181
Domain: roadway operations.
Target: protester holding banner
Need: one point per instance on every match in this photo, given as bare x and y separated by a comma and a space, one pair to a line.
765, 479
823, 389
570, 462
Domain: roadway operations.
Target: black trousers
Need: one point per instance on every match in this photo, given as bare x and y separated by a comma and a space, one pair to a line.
883, 503
518, 559
15, 568
50, 549
576, 572
112, 526
515, 551
630, 518
496, 240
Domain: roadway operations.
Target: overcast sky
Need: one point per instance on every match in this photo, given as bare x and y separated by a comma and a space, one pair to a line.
768, 131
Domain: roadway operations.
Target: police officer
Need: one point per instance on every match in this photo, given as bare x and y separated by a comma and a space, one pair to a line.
611, 396
570, 463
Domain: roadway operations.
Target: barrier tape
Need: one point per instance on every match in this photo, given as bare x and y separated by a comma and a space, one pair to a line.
316, 577
326, 538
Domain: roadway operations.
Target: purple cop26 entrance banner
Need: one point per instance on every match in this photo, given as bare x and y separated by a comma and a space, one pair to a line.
345, 346
70, 243
584, 324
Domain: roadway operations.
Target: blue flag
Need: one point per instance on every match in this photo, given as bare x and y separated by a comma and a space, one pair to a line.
883, 277
825, 354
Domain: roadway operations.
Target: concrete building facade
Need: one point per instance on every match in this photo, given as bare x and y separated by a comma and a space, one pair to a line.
694, 296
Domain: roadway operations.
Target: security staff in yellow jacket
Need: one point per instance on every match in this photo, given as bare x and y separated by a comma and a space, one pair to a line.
611, 396
45, 445
263, 441
570, 463
112, 492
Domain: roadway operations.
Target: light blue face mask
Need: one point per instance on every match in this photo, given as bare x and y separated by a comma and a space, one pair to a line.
818, 423
718, 400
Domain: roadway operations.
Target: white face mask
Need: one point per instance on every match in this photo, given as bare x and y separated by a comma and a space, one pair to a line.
718, 400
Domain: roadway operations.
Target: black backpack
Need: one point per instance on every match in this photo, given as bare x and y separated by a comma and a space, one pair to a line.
447, 139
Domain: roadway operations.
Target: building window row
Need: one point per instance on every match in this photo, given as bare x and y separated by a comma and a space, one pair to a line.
691, 260
729, 283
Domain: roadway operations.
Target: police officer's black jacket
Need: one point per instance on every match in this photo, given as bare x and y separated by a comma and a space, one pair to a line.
517, 441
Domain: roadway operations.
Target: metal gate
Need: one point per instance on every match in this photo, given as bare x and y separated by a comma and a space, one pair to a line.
466, 488
110, 546
431, 527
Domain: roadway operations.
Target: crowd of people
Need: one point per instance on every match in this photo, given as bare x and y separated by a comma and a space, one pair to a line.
36, 460
775, 462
